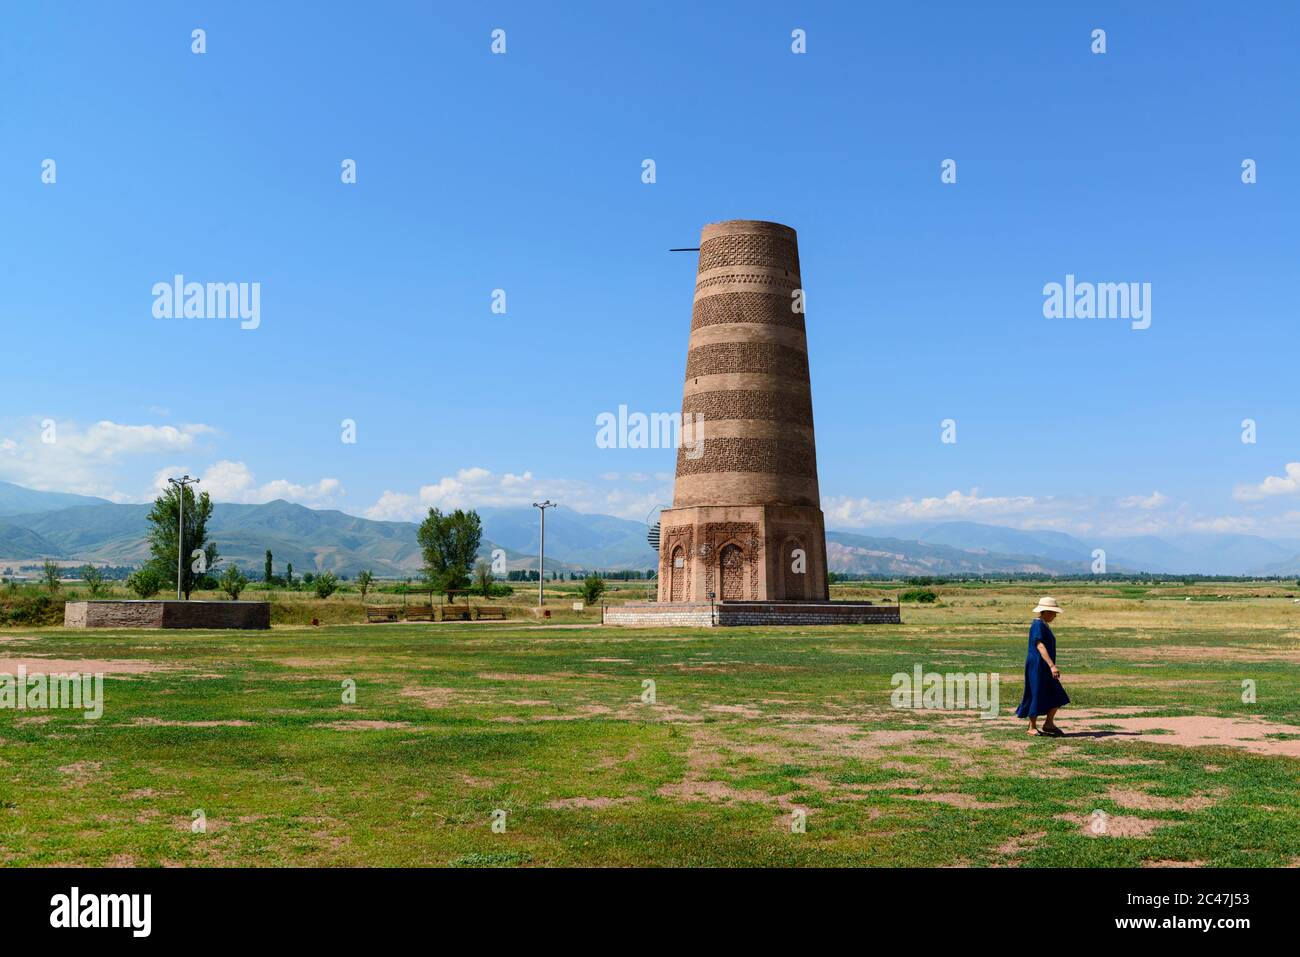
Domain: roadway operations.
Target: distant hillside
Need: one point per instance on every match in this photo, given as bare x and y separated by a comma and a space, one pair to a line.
311, 539
16, 542
865, 555
1204, 553
16, 500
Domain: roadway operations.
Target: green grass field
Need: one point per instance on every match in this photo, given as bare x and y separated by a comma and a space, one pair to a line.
453, 722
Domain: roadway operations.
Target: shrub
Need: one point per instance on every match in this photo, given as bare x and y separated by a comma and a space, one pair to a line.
145, 583
593, 586
232, 582
325, 584
922, 596
33, 610
94, 579
50, 573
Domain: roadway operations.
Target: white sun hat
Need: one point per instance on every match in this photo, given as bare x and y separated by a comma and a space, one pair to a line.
1047, 603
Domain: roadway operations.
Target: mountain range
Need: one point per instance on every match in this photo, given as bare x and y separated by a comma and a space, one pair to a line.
36, 525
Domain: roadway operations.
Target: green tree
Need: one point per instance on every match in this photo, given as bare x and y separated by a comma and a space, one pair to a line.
364, 581
50, 573
593, 586
326, 584
288, 575
483, 578
449, 543
94, 579
164, 545
268, 569
145, 582
232, 582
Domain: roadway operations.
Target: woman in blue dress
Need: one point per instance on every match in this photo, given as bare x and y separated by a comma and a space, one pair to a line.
1043, 692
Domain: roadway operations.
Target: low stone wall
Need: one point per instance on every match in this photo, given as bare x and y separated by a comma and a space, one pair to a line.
652, 614
806, 613
741, 613
167, 614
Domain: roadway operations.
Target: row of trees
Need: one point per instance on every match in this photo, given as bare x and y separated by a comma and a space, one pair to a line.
449, 545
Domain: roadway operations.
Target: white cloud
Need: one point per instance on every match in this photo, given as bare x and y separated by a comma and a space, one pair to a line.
64, 456
1154, 500
954, 505
228, 481
1288, 484
480, 488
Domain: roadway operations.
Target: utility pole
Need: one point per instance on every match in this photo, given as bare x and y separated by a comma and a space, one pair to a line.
180, 484
541, 553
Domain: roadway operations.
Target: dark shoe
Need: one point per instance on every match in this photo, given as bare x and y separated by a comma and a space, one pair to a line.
1054, 732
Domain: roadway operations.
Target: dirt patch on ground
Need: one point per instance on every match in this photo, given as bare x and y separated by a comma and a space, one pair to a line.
85, 666
81, 773
740, 709
583, 711
160, 723
1112, 825
1021, 843
6, 639
433, 697
1142, 801
570, 804
362, 725
703, 755
1200, 731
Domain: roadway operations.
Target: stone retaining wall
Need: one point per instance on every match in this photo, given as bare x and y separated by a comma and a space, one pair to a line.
741, 613
167, 614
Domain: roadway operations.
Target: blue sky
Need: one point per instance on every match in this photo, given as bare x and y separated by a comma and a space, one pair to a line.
522, 172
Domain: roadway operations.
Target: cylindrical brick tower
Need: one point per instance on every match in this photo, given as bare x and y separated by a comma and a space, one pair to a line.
746, 522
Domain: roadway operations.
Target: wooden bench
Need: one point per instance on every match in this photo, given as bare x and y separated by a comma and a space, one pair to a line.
419, 613
489, 611
378, 613
454, 613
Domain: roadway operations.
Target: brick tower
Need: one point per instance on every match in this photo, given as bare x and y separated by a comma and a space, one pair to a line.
746, 522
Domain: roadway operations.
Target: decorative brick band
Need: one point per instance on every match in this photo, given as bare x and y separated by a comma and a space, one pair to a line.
740, 277
764, 307
749, 249
794, 408
717, 358
786, 458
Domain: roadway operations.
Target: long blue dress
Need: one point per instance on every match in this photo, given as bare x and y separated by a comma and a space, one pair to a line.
1042, 691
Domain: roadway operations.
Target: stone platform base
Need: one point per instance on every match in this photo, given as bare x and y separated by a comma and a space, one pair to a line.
167, 614
731, 613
